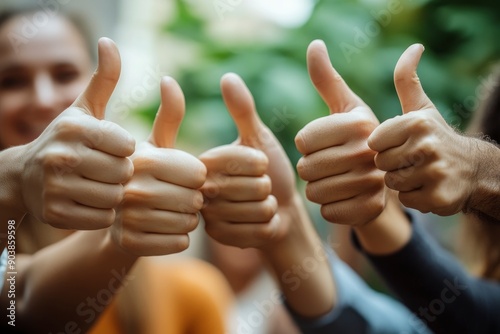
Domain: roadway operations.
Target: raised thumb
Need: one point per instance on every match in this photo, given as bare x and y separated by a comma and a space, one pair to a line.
96, 96
328, 82
408, 86
241, 107
170, 114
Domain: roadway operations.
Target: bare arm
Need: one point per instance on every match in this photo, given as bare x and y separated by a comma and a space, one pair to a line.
11, 204
251, 201
68, 284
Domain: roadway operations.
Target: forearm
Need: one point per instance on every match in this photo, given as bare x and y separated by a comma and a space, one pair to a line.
485, 197
70, 282
11, 202
301, 266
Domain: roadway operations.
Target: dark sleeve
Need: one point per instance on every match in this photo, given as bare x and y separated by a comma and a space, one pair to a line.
436, 287
359, 309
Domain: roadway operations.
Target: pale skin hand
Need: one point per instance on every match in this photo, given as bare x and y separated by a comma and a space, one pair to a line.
162, 200
433, 168
71, 176
57, 286
339, 166
337, 163
251, 201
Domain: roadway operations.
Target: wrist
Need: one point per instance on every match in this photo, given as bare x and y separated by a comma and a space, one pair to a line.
484, 191
299, 231
387, 233
11, 195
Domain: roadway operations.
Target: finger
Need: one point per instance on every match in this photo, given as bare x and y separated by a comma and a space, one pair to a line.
244, 212
344, 187
335, 160
96, 96
394, 132
406, 179
241, 107
408, 86
411, 153
170, 114
101, 167
93, 194
173, 166
163, 196
245, 235
160, 221
238, 188
82, 217
341, 212
334, 130
328, 82
234, 160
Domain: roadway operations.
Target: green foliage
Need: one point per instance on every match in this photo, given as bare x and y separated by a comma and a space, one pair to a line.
461, 39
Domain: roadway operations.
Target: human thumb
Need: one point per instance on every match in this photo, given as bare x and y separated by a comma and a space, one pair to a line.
408, 86
241, 107
94, 99
170, 114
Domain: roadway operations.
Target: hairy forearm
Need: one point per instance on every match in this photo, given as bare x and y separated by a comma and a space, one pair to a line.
69, 283
387, 233
485, 197
11, 201
301, 266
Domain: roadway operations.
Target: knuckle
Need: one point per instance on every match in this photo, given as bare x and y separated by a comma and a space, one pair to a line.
66, 159
180, 243
126, 170
315, 192
199, 174
263, 187
303, 169
329, 213
438, 171
364, 125
268, 208
116, 194
68, 126
427, 147
211, 190
421, 123
198, 200
191, 222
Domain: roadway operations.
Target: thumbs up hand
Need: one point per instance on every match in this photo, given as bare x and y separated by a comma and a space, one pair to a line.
162, 200
425, 159
337, 163
250, 187
73, 172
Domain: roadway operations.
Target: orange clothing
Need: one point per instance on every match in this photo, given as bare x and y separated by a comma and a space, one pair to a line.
182, 297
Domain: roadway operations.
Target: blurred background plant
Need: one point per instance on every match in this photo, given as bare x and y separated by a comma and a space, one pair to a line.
365, 39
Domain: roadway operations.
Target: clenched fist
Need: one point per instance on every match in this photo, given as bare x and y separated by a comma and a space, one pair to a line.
162, 200
73, 172
427, 162
250, 186
337, 163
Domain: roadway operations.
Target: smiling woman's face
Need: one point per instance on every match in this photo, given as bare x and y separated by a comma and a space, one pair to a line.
40, 78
